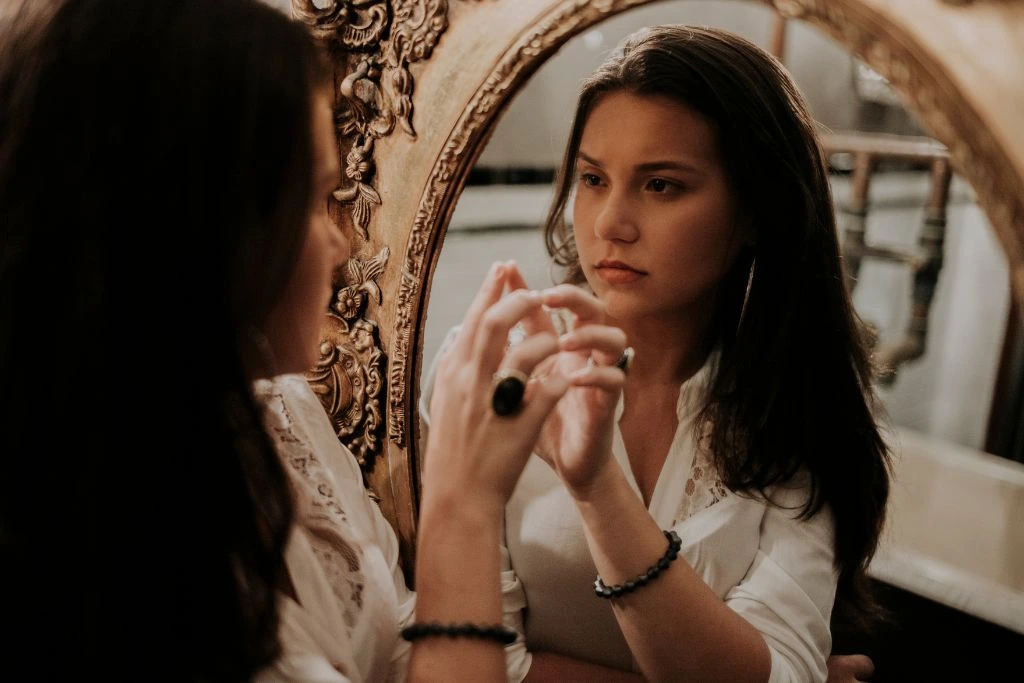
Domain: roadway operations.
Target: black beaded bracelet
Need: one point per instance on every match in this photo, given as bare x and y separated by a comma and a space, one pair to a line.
608, 592
498, 633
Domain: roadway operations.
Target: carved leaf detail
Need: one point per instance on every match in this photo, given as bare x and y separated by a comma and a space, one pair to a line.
347, 377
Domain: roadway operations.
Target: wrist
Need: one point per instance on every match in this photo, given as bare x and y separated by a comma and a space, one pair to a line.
452, 494
475, 512
607, 479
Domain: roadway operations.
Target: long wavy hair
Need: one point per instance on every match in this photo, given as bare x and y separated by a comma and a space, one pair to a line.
792, 389
155, 182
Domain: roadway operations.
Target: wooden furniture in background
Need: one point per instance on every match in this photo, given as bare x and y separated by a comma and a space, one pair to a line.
926, 262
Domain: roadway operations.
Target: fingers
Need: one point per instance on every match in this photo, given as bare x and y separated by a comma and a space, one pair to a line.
605, 343
587, 307
526, 355
606, 377
542, 395
861, 665
494, 326
537, 321
488, 294
850, 667
514, 277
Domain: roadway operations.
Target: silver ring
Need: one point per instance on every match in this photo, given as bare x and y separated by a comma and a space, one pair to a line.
509, 387
625, 361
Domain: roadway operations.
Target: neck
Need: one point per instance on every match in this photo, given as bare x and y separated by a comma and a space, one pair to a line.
669, 350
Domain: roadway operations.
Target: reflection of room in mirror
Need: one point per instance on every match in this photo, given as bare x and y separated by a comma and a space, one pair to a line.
946, 393
947, 496
951, 553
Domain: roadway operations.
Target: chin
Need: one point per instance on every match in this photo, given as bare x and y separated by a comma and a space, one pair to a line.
620, 306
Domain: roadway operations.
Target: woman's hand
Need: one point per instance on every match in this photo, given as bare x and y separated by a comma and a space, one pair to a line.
473, 460
472, 453
576, 439
850, 668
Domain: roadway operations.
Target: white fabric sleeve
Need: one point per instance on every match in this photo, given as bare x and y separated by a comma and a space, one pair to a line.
788, 591
513, 596
300, 668
513, 601
384, 536
381, 533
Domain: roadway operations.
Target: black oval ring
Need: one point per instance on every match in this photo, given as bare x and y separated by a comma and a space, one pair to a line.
509, 389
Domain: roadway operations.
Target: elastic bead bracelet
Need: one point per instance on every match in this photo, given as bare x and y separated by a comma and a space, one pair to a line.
497, 633
608, 592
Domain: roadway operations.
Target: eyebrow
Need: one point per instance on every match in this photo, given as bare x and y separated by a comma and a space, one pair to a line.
648, 166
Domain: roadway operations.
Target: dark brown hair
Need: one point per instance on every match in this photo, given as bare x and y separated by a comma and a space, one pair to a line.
792, 390
155, 181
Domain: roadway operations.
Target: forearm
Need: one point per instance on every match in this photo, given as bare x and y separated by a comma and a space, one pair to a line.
676, 627
457, 576
551, 668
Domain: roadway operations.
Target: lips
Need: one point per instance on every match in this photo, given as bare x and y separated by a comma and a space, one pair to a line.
618, 273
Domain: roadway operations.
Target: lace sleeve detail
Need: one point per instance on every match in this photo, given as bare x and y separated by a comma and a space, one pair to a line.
318, 507
703, 488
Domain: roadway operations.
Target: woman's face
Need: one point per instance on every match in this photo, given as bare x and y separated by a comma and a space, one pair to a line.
655, 219
293, 326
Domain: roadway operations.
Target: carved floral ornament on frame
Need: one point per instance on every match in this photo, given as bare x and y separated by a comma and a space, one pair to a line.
377, 40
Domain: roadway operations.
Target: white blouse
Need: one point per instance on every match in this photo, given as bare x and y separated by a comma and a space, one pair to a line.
772, 568
342, 557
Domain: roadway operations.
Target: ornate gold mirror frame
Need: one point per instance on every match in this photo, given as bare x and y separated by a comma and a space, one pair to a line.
420, 84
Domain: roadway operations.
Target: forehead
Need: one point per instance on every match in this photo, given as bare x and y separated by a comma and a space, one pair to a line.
636, 128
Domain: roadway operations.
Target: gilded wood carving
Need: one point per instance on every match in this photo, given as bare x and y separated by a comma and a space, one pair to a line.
349, 376
384, 37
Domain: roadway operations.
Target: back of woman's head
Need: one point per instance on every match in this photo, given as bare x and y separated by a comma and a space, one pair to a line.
155, 163
792, 390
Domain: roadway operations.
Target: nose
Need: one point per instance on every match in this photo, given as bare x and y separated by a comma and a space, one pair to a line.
616, 218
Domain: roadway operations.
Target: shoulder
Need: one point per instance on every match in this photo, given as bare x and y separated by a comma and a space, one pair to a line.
300, 426
784, 514
287, 395
290, 406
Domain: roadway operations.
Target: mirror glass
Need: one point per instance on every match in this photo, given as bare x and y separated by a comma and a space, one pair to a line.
948, 496
945, 393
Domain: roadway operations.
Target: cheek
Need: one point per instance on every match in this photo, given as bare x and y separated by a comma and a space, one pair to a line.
321, 249
711, 229
582, 223
701, 245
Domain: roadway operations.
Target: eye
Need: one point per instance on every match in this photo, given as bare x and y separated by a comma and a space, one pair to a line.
590, 180
659, 185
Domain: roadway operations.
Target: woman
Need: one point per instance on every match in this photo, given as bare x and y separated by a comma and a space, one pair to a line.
165, 168
154, 184
703, 222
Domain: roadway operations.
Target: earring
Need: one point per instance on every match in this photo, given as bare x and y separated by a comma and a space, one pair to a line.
746, 294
